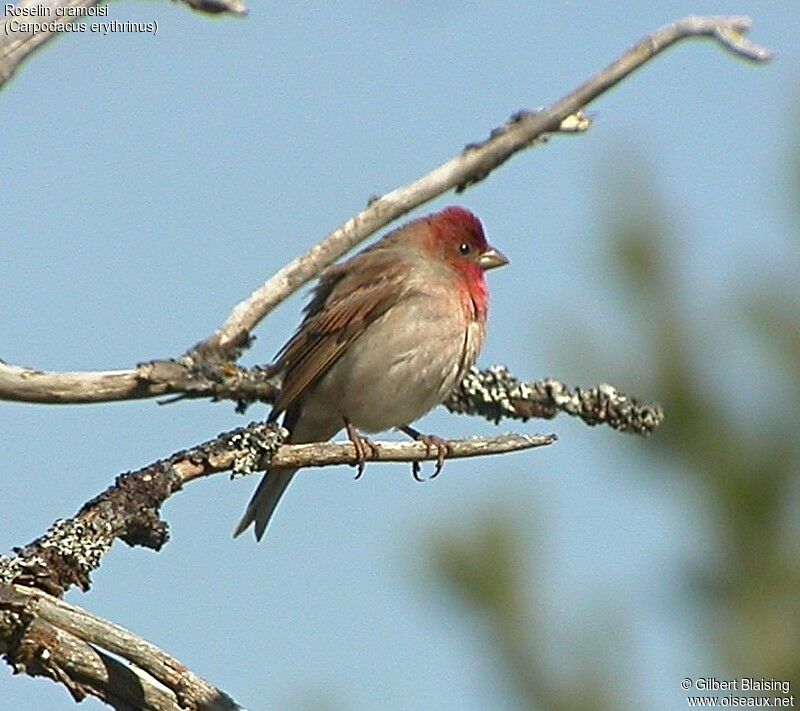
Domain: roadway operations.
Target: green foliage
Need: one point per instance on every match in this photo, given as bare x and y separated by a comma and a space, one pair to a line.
487, 570
744, 463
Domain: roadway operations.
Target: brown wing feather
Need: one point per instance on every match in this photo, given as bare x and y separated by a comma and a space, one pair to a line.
347, 299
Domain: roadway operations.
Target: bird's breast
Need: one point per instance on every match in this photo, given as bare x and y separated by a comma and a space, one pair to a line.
402, 365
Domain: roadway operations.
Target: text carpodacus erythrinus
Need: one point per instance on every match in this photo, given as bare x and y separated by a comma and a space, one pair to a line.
386, 336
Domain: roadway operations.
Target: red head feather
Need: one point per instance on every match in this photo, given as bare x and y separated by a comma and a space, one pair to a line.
461, 243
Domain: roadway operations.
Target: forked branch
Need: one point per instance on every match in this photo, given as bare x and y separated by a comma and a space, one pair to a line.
129, 510
208, 359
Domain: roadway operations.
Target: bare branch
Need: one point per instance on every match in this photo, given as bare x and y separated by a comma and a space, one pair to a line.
41, 635
190, 378
493, 393
129, 510
30, 385
18, 43
523, 130
323, 455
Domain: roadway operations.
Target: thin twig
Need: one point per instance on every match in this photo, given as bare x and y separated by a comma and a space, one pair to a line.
323, 455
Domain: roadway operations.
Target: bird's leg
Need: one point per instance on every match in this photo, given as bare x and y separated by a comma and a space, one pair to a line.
361, 444
430, 441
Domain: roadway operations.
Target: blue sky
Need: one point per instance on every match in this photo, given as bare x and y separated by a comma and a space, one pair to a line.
150, 182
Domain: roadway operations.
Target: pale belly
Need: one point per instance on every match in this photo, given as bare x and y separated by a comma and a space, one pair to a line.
392, 375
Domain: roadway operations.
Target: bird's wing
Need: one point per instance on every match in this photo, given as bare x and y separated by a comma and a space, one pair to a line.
348, 298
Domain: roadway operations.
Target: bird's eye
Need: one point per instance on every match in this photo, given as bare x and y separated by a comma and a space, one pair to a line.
464, 248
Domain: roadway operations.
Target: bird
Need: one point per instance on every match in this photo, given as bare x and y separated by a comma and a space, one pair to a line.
384, 338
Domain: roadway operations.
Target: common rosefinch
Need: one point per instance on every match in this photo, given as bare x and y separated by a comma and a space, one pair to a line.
386, 336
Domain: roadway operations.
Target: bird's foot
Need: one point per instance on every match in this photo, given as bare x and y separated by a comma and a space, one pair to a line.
364, 448
430, 442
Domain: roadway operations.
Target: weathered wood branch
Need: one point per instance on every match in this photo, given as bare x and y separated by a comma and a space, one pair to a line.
210, 379
129, 510
41, 635
496, 394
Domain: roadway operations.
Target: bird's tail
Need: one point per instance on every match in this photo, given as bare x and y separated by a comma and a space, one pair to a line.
265, 499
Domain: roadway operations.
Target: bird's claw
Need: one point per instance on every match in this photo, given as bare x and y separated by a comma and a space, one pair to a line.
430, 441
365, 449
442, 450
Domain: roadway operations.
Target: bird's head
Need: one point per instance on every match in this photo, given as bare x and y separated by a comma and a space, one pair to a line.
460, 241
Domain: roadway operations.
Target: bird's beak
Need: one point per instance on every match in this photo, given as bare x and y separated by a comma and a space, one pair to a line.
491, 259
